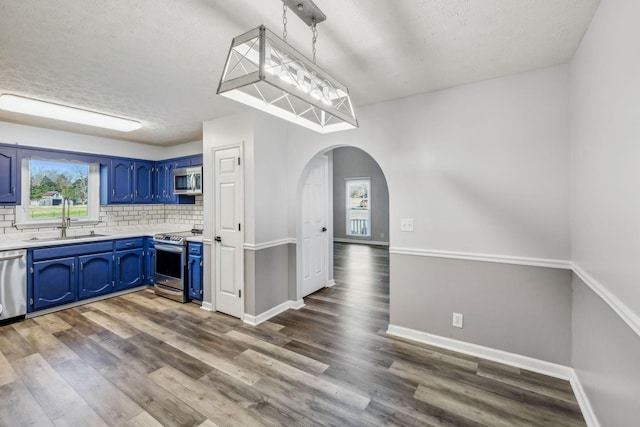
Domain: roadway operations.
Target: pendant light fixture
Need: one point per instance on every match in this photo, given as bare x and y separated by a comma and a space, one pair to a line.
263, 71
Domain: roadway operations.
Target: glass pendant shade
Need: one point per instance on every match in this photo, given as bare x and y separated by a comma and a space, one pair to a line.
266, 73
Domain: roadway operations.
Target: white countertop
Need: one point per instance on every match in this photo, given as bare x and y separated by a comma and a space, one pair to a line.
24, 240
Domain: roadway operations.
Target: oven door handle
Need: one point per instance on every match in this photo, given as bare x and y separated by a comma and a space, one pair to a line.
169, 248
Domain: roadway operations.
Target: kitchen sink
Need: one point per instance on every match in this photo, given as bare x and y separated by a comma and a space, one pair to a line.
81, 236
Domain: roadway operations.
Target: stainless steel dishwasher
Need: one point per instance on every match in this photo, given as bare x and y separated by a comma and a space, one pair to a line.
13, 284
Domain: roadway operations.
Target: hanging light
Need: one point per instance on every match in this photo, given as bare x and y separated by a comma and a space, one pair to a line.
263, 71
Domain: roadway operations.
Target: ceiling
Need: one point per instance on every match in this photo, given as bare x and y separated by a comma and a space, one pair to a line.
160, 61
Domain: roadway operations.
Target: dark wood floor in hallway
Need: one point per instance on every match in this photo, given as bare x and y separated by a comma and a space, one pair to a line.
141, 360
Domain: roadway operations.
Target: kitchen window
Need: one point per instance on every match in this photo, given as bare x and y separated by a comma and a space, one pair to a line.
45, 185
358, 205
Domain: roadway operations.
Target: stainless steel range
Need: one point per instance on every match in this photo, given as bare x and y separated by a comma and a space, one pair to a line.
171, 265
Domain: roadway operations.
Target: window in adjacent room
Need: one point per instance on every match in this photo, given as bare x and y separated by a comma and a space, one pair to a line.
46, 183
358, 207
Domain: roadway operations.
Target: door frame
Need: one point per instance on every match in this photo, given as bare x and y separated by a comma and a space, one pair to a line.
214, 247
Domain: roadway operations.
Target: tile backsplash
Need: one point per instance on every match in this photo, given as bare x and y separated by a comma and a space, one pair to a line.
122, 215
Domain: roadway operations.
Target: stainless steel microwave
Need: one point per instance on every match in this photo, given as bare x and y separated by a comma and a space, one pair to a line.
187, 180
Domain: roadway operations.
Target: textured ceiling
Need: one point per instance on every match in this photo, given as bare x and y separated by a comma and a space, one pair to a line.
159, 61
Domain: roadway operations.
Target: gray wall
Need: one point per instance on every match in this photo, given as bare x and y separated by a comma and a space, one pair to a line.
351, 162
519, 309
266, 278
605, 356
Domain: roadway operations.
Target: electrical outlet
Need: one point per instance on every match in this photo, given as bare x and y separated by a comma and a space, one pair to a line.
457, 320
406, 224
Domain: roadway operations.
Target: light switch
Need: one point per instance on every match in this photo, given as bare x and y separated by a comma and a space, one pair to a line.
406, 224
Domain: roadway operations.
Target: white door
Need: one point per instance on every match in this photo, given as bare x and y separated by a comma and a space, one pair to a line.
228, 231
314, 227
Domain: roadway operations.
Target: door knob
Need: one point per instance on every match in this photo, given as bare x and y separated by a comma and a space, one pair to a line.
324, 229
218, 239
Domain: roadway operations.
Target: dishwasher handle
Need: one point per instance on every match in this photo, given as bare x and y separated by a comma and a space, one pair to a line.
10, 257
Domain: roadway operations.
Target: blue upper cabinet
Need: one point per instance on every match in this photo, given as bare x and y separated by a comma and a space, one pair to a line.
131, 182
8, 175
164, 182
121, 181
160, 184
143, 182
140, 181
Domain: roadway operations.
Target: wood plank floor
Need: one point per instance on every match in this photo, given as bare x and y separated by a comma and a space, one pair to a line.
141, 360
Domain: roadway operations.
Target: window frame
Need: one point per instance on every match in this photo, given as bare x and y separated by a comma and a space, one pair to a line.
23, 220
359, 180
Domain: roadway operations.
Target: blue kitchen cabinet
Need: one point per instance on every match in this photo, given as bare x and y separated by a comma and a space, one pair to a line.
67, 273
95, 275
129, 269
8, 175
121, 181
54, 282
195, 269
149, 261
164, 183
143, 182
131, 182
185, 162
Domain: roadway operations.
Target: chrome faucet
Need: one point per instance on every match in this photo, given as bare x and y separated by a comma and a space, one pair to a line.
66, 219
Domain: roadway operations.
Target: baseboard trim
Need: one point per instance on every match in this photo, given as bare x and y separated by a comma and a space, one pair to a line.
516, 360
263, 317
331, 283
618, 306
583, 401
297, 305
207, 306
519, 361
503, 259
361, 242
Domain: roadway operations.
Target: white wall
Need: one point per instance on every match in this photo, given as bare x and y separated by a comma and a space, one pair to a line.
271, 186
481, 168
605, 105
605, 154
11, 133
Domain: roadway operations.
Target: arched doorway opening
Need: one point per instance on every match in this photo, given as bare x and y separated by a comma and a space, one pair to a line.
343, 226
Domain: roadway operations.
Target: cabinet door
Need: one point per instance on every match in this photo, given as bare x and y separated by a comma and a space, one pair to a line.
143, 182
150, 266
121, 182
160, 182
195, 277
129, 269
8, 175
170, 197
95, 276
54, 282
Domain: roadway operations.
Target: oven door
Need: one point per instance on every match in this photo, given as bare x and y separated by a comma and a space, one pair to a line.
170, 266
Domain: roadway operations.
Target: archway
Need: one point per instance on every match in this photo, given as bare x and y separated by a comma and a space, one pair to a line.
362, 219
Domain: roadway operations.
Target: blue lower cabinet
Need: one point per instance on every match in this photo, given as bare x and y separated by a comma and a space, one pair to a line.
195, 271
95, 275
129, 269
149, 261
54, 282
